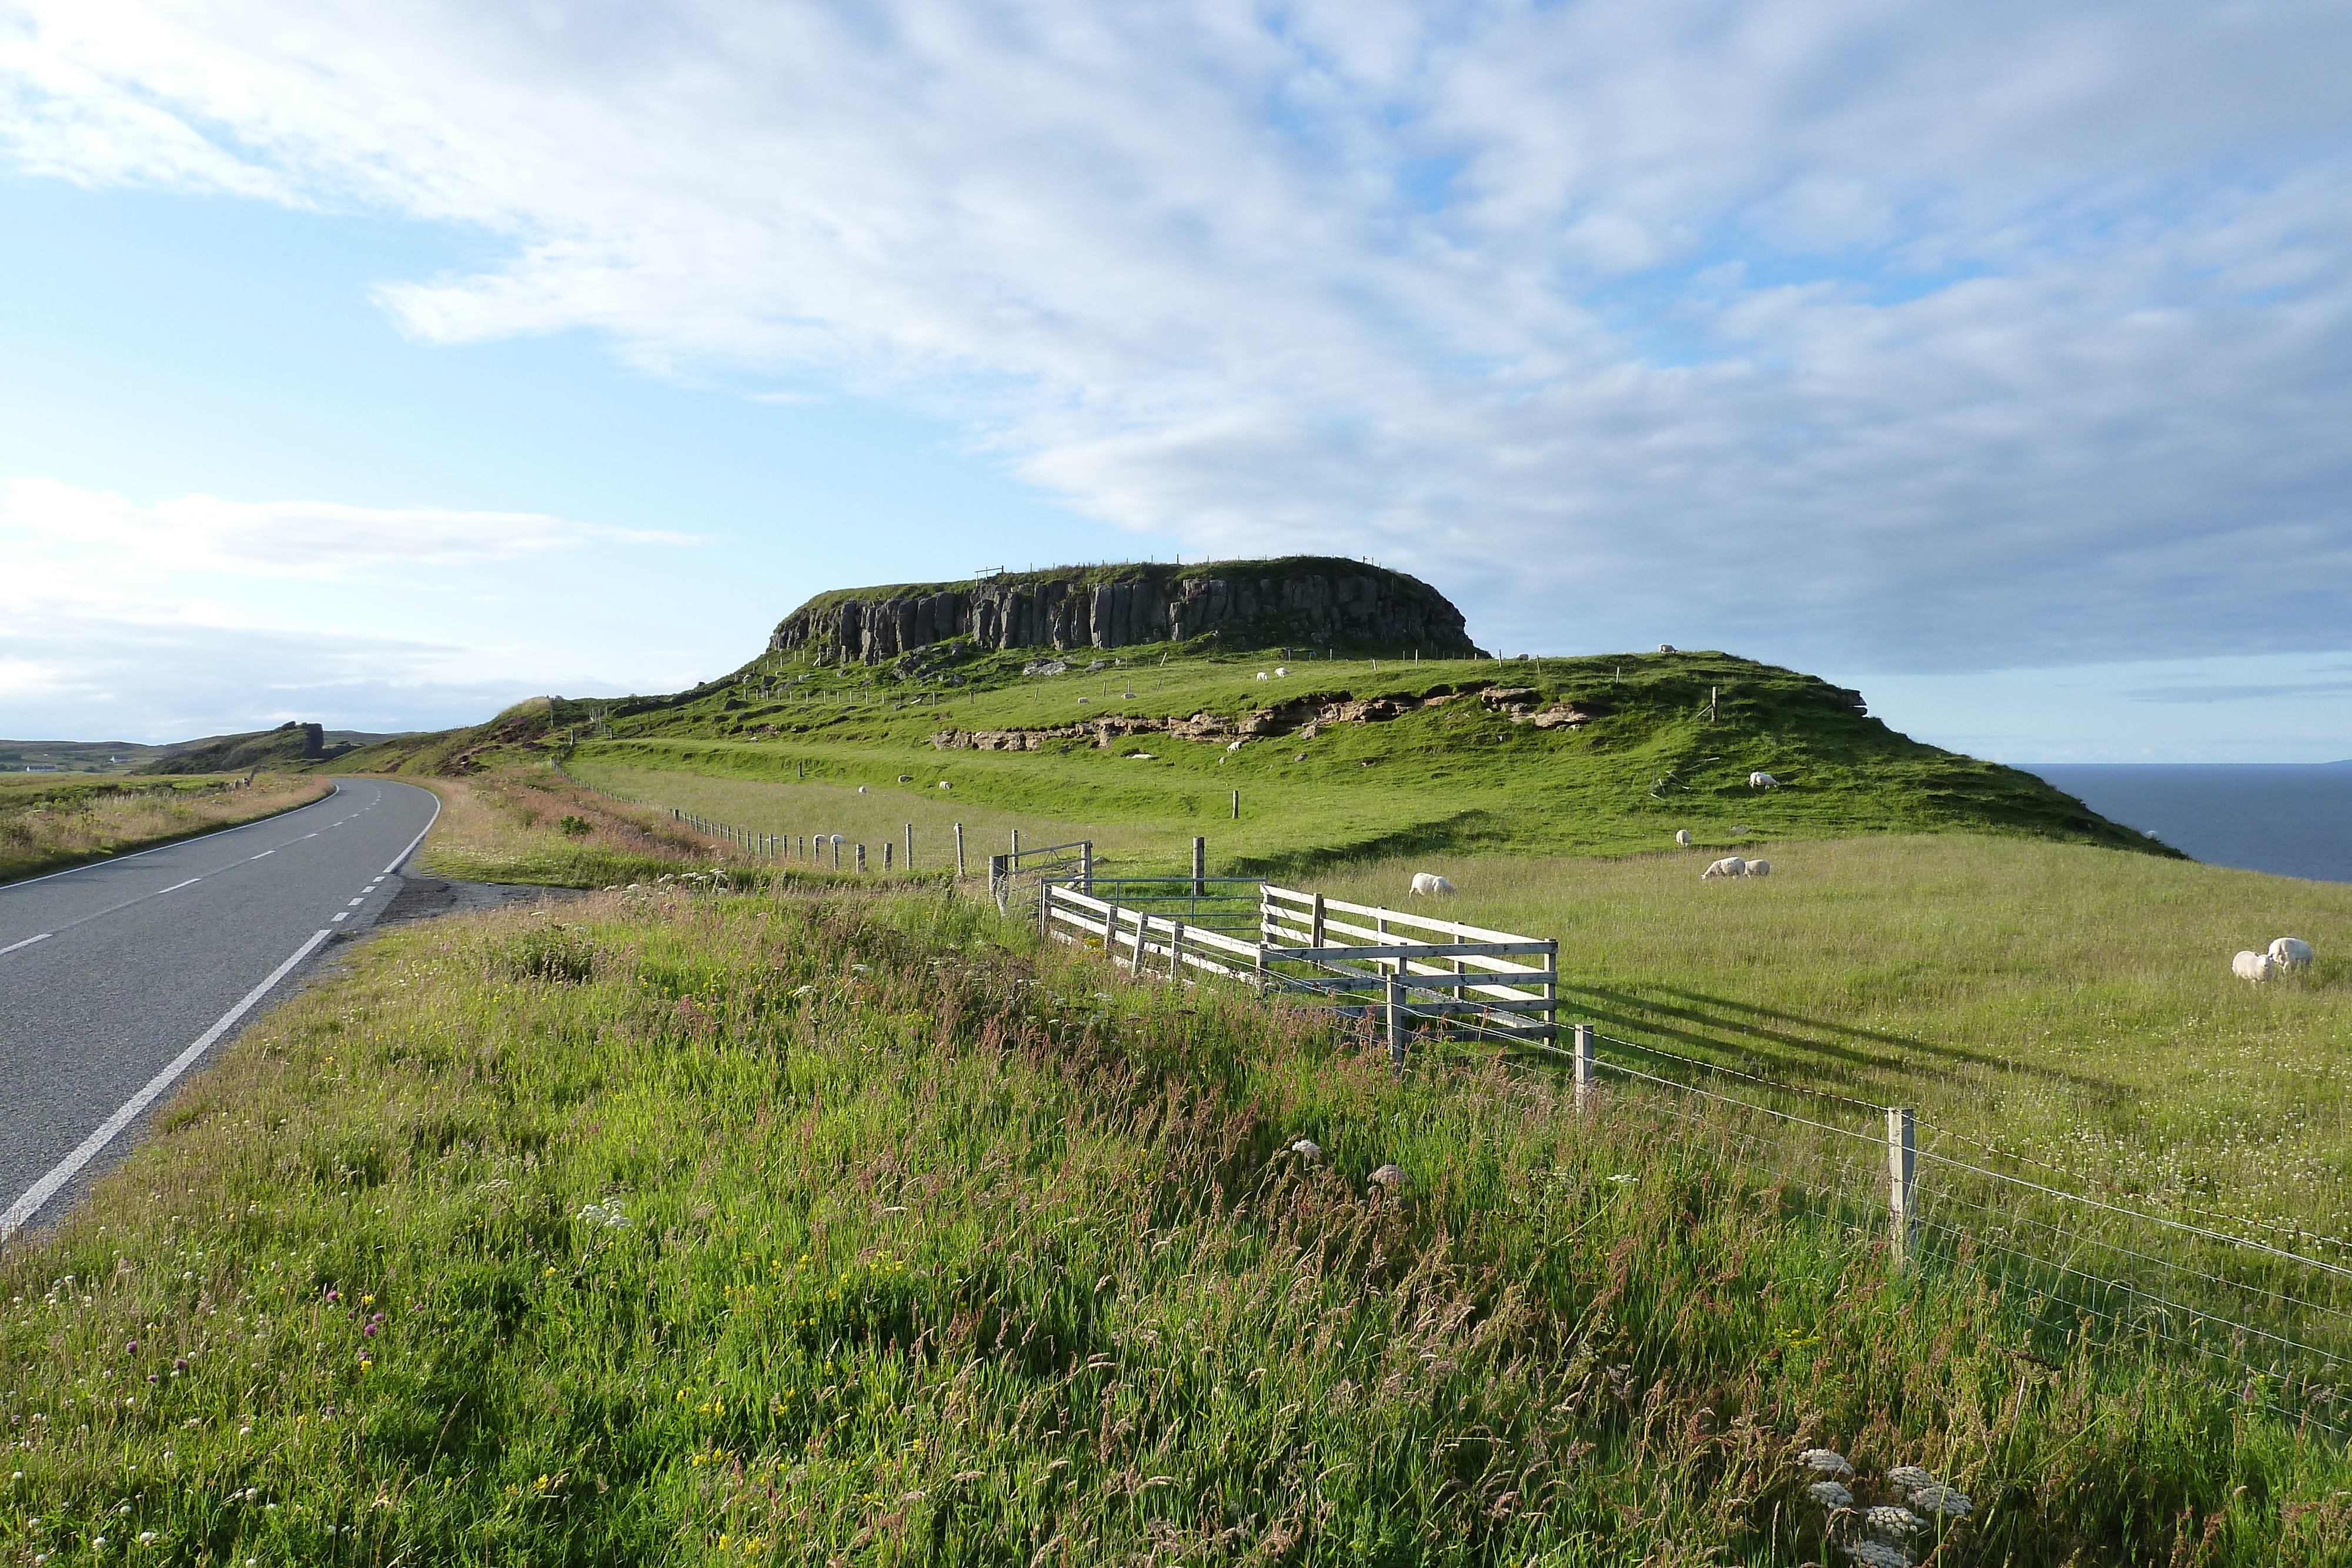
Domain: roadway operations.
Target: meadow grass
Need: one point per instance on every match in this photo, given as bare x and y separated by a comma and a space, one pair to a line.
48, 823
1674, 741
733, 1229
2066, 1004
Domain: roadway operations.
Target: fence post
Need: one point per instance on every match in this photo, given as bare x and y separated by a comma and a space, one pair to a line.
1087, 867
1016, 848
1902, 1171
1200, 867
887, 847
1110, 931
1044, 904
1176, 950
861, 860
910, 846
1583, 1065
1237, 805
1142, 930
1315, 926
958, 851
1396, 1026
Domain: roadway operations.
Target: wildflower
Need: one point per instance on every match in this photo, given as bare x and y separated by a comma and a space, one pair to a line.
1621, 1178
1830, 1494
1307, 1149
1825, 1461
1389, 1177
1876, 1554
1903, 1478
147, 1538
1940, 1500
1891, 1520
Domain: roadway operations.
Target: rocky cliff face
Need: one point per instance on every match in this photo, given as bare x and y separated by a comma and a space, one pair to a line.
1310, 601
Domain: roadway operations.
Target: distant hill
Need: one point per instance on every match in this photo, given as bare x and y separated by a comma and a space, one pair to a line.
292, 745
76, 756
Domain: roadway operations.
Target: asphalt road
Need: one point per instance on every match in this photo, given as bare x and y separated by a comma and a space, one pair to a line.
117, 977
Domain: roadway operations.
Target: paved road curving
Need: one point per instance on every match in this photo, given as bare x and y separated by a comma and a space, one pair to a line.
117, 977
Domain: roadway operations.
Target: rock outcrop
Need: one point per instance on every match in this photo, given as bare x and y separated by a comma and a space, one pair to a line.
1304, 716
1318, 601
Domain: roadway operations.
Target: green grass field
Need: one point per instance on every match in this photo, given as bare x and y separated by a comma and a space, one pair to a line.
727, 1229
49, 821
1672, 742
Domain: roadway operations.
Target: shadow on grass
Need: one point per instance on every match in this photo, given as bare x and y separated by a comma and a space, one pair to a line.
1629, 1010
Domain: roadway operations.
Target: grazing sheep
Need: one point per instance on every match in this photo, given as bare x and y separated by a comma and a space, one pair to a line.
1261, 674
1282, 669
861, 788
2256, 966
1730, 865
1759, 868
1762, 781
1682, 836
2291, 953
1428, 884
945, 785
1665, 647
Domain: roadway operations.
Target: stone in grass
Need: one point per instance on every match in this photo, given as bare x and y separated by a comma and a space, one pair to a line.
1825, 1461
1390, 1177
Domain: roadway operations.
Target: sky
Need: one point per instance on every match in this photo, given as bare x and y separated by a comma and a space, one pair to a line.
383, 362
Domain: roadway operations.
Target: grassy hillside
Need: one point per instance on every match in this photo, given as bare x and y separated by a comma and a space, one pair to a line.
740, 1230
1461, 775
48, 822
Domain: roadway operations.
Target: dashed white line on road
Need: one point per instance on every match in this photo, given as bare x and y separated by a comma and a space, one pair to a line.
357, 902
175, 887
41, 1191
265, 852
344, 915
28, 942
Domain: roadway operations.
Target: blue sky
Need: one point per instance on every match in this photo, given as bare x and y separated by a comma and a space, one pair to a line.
383, 363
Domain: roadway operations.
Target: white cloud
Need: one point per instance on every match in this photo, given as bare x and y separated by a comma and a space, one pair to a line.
1957, 337
92, 529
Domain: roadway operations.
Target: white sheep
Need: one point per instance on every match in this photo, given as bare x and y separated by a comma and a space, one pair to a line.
2256, 966
1261, 674
1682, 836
1428, 884
1759, 868
2291, 953
1282, 669
1762, 781
1730, 865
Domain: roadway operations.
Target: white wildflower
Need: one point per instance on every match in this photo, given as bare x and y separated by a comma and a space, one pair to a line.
1307, 1149
1621, 1178
1940, 1500
1826, 1461
1903, 1478
1876, 1554
1829, 1494
1888, 1519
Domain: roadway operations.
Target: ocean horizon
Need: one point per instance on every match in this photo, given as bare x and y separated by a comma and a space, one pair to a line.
2290, 819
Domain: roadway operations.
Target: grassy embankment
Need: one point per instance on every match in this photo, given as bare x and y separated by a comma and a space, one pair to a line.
730, 1229
1460, 776
48, 822
536, 826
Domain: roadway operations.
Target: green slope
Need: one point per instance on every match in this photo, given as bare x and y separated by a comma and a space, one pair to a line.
1653, 758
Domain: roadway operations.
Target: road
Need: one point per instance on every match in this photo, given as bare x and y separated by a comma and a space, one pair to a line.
117, 977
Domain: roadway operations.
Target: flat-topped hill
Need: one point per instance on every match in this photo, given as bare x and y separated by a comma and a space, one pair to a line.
1308, 602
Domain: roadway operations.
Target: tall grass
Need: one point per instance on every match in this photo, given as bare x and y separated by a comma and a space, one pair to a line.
47, 824
736, 1230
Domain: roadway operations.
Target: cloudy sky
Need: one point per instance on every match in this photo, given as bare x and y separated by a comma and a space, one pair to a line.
381, 360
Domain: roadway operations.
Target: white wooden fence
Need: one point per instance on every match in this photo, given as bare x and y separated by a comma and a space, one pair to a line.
1415, 970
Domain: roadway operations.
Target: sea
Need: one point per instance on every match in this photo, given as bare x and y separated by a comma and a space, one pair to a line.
2292, 819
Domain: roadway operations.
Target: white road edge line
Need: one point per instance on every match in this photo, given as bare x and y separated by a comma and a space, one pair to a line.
41, 1191
420, 834
28, 942
182, 843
